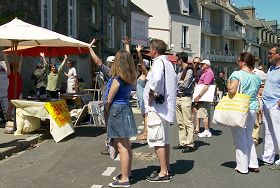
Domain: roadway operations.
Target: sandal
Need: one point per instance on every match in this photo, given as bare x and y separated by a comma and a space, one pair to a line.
142, 137
195, 132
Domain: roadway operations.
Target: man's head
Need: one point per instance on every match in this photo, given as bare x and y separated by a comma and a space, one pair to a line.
157, 47
221, 74
196, 62
182, 57
69, 64
39, 65
205, 64
274, 56
110, 59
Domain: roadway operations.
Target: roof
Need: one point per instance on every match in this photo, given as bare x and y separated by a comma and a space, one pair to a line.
135, 8
174, 7
254, 22
240, 15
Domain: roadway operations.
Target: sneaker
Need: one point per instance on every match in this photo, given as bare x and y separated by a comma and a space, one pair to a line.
205, 134
274, 167
257, 170
178, 147
155, 173
157, 178
119, 184
119, 177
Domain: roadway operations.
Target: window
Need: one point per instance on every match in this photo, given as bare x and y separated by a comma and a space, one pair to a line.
93, 14
124, 3
139, 29
123, 31
72, 32
185, 37
111, 33
46, 14
227, 22
185, 6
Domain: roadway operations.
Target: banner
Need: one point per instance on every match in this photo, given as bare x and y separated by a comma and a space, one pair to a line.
59, 112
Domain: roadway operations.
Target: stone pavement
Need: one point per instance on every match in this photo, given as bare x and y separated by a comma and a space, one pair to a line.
10, 144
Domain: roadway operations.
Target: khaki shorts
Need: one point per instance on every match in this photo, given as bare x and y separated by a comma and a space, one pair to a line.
158, 130
203, 109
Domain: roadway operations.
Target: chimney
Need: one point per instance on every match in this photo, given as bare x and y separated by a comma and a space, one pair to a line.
250, 11
224, 2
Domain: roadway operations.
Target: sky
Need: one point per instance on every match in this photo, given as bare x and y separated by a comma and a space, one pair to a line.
265, 9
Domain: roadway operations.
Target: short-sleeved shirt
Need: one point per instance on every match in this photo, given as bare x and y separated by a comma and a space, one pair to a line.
250, 84
72, 73
207, 77
271, 93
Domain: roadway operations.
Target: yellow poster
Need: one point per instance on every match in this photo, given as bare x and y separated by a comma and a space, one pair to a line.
59, 112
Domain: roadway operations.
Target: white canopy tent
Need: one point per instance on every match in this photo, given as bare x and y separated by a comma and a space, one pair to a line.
17, 32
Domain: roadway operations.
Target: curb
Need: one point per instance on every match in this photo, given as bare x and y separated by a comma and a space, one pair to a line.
20, 145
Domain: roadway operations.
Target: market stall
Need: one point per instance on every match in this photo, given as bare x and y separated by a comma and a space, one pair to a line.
29, 113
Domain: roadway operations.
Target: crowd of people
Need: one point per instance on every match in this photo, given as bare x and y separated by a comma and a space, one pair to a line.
46, 78
166, 97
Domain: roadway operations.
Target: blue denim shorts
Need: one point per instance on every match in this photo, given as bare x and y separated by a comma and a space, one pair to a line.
121, 123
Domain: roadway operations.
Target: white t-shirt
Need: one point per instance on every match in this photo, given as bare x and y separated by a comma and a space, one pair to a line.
71, 79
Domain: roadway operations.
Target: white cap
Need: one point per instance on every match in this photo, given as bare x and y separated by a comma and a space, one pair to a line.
110, 59
147, 63
206, 61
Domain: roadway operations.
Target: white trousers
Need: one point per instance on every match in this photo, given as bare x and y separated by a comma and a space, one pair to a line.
271, 120
246, 155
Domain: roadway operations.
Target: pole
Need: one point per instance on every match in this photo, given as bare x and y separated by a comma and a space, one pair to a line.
14, 45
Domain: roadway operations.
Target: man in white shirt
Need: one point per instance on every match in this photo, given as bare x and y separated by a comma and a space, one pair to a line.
72, 81
160, 107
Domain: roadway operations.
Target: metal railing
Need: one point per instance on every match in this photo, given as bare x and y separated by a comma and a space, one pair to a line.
219, 55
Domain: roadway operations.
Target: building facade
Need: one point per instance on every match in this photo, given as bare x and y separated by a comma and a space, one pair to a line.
177, 22
106, 20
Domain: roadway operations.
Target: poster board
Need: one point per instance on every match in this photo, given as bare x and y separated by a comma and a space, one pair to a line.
60, 120
208, 96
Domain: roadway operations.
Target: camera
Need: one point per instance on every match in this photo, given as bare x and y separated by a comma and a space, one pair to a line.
159, 99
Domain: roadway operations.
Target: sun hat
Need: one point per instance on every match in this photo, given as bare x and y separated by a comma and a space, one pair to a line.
206, 61
110, 59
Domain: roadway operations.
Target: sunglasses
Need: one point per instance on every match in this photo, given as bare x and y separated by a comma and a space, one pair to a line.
270, 53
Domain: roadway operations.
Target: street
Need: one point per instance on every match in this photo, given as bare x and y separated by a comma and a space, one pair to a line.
77, 162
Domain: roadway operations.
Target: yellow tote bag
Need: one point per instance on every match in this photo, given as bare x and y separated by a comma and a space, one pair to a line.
232, 111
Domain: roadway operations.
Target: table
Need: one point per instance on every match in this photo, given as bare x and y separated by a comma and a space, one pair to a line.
30, 112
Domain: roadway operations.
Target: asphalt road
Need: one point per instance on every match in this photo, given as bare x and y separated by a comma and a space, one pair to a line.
77, 162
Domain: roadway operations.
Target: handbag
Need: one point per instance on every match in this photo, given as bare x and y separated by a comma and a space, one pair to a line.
232, 111
113, 149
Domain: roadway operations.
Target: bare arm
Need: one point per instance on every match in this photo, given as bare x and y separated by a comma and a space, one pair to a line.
126, 41
232, 86
202, 92
112, 93
94, 57
143, 67
62, 64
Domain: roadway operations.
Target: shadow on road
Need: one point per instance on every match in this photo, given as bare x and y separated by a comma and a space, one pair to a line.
229, 164
89, 131
180, 167
135, 145
199, 143
216, 132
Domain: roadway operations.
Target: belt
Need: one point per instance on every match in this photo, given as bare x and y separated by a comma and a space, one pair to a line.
183, 95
